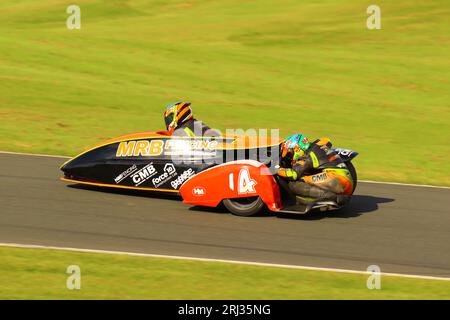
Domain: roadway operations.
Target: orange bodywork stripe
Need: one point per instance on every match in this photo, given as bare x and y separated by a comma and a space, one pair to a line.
323, 141
117, 186
248, 142
135, 136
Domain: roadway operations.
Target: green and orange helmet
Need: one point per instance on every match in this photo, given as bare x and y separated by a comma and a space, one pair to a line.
176, 114
294, 147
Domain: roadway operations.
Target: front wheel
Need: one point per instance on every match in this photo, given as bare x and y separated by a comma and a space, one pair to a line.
244, 207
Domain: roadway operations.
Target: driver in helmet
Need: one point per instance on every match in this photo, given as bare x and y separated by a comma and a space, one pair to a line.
181, 122
314, 171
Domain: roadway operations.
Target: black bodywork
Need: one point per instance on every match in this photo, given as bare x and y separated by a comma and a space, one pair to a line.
167, 170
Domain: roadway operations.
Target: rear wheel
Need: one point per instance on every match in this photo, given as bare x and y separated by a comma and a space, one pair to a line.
352, 170
244, 207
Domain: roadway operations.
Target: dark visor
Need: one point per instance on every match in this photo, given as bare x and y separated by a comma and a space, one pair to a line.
169, 120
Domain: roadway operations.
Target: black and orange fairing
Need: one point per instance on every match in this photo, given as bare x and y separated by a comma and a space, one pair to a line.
119, 162
204, 170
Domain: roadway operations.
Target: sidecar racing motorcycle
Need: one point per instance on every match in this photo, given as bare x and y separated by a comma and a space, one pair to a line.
237, 171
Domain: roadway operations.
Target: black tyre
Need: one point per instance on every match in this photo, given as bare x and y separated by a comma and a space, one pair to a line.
352, 170
244, 207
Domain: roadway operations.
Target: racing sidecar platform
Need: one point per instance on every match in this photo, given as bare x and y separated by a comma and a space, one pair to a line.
206, 171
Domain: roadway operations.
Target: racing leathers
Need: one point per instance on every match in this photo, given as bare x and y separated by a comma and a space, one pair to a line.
319, 174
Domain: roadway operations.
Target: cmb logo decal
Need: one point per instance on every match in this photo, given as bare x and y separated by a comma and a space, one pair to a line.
319, 177
144, 174
199, 191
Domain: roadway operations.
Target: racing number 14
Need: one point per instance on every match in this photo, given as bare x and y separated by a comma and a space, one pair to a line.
245, 183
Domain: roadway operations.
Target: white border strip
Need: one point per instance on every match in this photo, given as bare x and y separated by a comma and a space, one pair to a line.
34, 154
250, 263
364, 181
405, 184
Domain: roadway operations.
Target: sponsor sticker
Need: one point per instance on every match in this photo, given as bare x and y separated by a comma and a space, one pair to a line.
319, 177
169, 173
344, 152
144, 174
245, 183
194, 144
139, 148
199, 191
125, 174
182, 178
149, 148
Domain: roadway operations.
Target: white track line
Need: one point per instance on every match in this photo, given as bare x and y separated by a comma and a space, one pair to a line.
34, 154
219, 260
30, 246
405, 184
365, 181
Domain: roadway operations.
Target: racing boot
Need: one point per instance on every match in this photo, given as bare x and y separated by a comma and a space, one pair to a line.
304, 200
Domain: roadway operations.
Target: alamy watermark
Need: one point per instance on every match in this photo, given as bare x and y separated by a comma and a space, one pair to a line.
373, 22
73, 281
261, 145
74, 20
374, 280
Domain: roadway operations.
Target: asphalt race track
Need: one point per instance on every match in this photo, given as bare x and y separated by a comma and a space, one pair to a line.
403, 229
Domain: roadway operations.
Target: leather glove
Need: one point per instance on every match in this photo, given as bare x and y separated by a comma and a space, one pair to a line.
288, 174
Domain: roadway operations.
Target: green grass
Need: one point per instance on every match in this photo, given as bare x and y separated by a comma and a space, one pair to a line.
41, 274
309, 66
